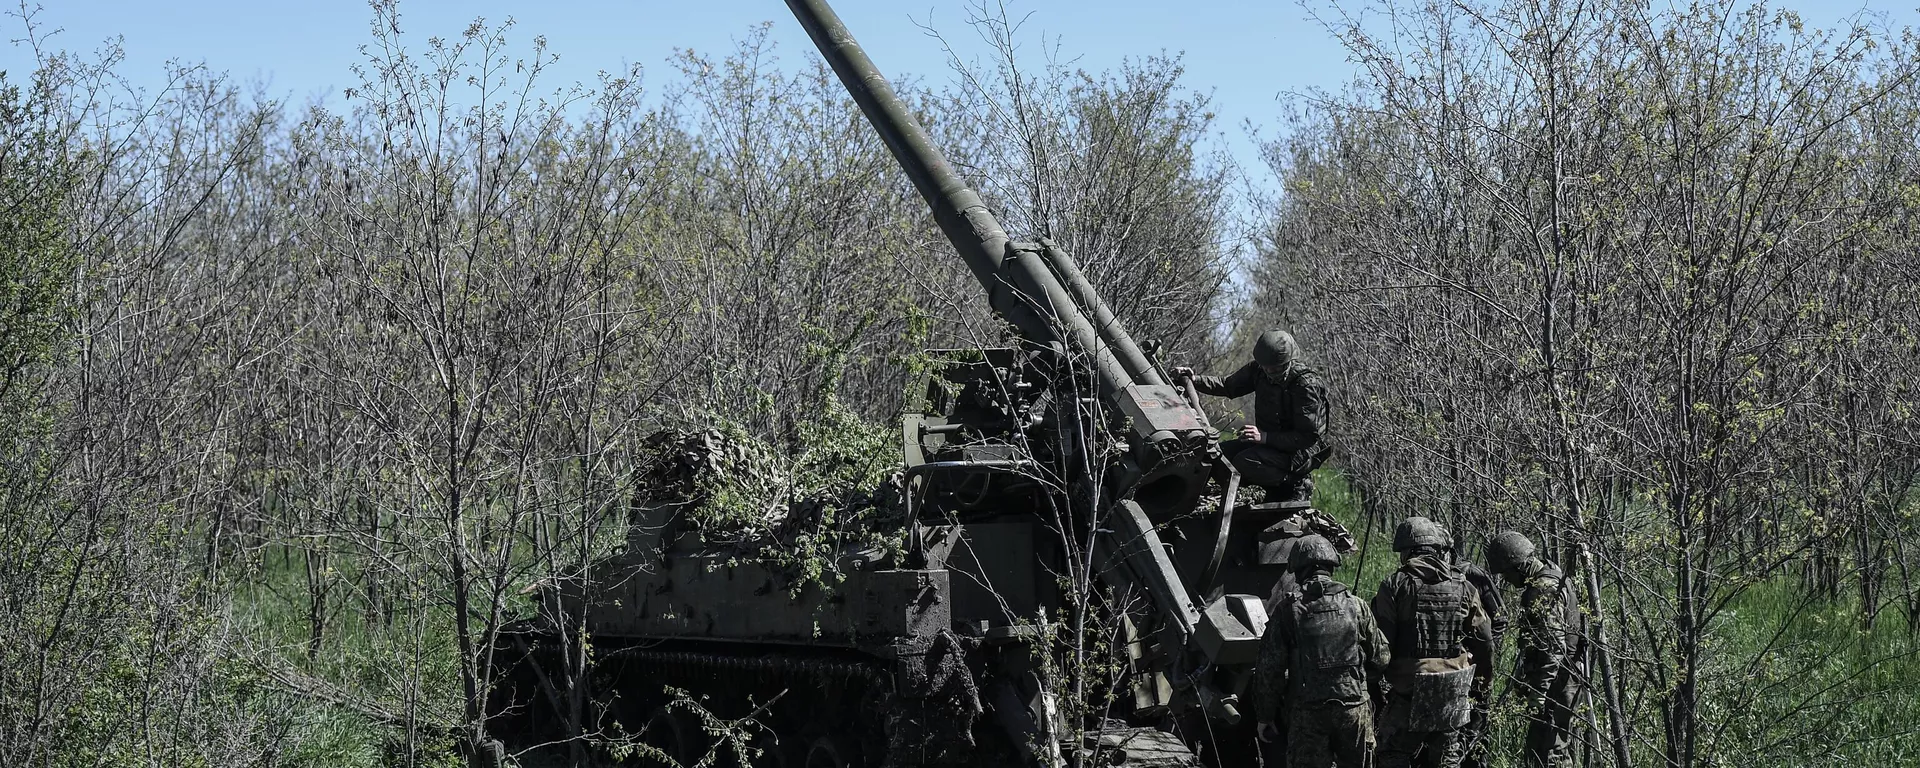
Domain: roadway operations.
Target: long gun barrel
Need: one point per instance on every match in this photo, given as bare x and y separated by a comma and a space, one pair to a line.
1040, 289
1021, 282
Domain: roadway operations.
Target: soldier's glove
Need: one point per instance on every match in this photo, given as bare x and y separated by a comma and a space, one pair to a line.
1268, 732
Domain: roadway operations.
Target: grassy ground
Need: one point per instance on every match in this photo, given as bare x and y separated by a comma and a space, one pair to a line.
1790, 680
346, 702
1799, 682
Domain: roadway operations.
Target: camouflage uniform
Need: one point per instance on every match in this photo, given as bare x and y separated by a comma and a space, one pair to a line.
1291, 412
1435, 625
1278, 540
1476, 729
1321, 653
1490, 601
1552, 670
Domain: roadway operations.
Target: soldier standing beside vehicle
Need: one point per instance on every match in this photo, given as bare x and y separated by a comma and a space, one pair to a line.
1475, 734
1441, 643
1278, 540
1551, 671
1321, 654
1282, 447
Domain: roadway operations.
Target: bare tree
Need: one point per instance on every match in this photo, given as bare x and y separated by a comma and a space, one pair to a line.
1118, 168
1596, 273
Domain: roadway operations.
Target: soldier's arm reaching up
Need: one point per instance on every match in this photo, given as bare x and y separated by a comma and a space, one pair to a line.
1382, 605
1373, 646
1240, 383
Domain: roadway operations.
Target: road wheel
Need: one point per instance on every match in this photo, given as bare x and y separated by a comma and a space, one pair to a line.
773, 751
828, 752
673, 734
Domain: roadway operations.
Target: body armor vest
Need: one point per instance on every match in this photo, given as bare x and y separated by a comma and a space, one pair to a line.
1326, 662
1433, 617
1276, 406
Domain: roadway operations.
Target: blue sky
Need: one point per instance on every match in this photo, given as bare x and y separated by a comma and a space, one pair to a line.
1247, 54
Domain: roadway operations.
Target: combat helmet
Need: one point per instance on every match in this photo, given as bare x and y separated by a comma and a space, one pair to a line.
1275, 348
1311, 553
1507, 550
1420, 532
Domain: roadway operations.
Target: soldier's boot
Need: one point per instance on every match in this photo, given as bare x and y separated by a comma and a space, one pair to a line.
1296, 489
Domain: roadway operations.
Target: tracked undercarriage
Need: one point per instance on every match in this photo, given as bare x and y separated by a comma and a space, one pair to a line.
873, 672
1067, 580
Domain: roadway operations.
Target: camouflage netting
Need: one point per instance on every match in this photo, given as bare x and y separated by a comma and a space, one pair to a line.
734, 488
841, 489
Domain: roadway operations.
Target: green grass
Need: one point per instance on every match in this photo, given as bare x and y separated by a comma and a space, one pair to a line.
404, 665
1374, 558
1789, 681
1799, 682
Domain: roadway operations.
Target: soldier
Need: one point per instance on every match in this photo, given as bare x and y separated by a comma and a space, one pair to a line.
1437, 631
1277, 543
1278, 540
1282, 446
1552, 666
1321, 655
1475, 734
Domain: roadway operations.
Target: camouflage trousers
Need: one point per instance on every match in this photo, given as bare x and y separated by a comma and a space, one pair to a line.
1400, 744
1323, 736
1285, 473
1475, 734
1550, 726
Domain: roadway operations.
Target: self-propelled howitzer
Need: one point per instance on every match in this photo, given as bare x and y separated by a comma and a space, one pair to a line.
1063, 451
1039, 289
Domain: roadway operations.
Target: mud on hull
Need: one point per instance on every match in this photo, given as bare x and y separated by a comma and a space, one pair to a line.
775, 706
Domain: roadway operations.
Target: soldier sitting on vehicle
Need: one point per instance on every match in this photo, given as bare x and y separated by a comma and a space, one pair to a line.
1283, 445
1321, 655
